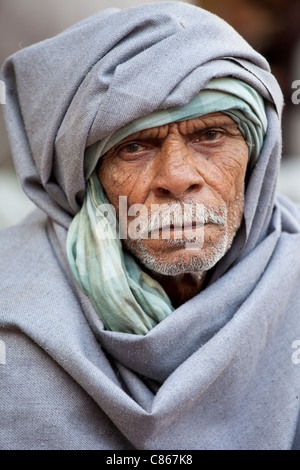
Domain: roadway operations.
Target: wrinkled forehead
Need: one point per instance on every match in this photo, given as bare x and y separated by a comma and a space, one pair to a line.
186, 127
232, 97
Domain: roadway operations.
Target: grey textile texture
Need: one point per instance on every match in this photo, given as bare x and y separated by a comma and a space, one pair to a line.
218, 372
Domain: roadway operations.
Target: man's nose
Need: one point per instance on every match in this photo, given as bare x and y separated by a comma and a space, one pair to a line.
177, 174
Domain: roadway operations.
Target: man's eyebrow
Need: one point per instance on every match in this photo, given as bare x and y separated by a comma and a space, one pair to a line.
216, 122
143, 134
229, 127
200, 126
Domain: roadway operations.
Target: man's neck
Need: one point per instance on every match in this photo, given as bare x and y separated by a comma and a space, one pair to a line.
182, 287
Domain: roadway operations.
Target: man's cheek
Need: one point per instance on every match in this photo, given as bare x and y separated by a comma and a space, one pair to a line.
123, 180
115, 182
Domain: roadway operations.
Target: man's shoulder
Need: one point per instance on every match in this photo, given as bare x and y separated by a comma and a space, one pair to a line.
31, 277
21, 238
26, 254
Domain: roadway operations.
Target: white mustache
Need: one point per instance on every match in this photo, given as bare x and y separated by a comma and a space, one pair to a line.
179, 215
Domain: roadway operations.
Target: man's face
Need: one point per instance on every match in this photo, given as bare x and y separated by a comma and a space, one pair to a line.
199, 163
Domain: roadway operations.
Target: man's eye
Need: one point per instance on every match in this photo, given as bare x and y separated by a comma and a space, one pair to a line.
209, 135
132, 148
212, 135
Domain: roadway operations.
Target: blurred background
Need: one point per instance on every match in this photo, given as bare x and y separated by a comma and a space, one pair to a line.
271, 26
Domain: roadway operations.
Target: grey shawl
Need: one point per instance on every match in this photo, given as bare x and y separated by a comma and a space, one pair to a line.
218, 373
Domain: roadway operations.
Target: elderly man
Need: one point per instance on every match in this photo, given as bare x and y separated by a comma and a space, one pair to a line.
152, 301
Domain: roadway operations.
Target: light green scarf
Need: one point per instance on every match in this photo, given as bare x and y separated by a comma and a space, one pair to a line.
127, 299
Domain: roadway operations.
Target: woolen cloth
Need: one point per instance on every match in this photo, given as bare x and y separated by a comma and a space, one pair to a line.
217, 373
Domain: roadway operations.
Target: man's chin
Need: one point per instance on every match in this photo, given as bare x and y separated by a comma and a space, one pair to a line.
182, 256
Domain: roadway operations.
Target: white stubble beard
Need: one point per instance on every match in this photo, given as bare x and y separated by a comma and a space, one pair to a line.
198, 262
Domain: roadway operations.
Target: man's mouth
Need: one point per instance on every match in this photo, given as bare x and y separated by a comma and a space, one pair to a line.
186, 226
177, 221
177, 230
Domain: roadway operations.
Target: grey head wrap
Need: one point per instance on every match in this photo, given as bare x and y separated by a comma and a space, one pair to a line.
217, 372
